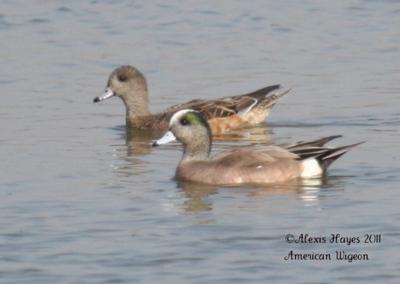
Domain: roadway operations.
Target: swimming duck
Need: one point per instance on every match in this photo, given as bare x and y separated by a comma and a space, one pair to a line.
266, 164
223, 114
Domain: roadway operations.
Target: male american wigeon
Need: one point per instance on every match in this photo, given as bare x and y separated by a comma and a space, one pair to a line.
223, 114
267, 164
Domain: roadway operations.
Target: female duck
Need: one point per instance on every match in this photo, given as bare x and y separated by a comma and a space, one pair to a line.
268, 164
223, 114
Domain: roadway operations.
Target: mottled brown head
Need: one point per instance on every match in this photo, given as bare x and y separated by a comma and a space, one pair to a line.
124, 79
129, 84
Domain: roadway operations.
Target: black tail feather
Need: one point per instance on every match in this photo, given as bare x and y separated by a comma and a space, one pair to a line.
263, 92
315, 143
330, 155
316, 149
309, 152
265, 97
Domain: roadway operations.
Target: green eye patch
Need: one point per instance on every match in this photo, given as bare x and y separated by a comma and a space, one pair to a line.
193, 118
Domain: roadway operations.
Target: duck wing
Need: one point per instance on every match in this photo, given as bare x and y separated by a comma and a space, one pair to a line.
254, 157
228, 106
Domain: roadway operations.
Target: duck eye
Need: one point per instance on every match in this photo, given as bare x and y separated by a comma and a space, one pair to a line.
122, 78
184, 121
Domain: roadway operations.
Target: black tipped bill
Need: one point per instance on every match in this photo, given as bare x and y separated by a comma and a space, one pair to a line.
168, 137
107, 94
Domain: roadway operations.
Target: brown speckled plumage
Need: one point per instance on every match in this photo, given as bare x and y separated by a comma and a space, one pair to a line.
224, 114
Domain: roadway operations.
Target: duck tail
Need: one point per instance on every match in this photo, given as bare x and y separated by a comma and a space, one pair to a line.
271, 98
315, 157
330, 155
315, 143
260, 93
263, 98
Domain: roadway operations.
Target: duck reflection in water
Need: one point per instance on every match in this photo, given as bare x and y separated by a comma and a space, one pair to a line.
199, 197
139, 141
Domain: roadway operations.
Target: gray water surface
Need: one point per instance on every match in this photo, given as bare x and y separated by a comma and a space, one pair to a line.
80, 204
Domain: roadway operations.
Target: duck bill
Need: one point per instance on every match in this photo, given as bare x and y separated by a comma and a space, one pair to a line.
168, 137
107, 94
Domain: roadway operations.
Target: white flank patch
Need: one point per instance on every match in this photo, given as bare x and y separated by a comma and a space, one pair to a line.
238, 180
311, 168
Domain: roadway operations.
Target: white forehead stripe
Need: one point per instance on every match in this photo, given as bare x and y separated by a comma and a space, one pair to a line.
175, 118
